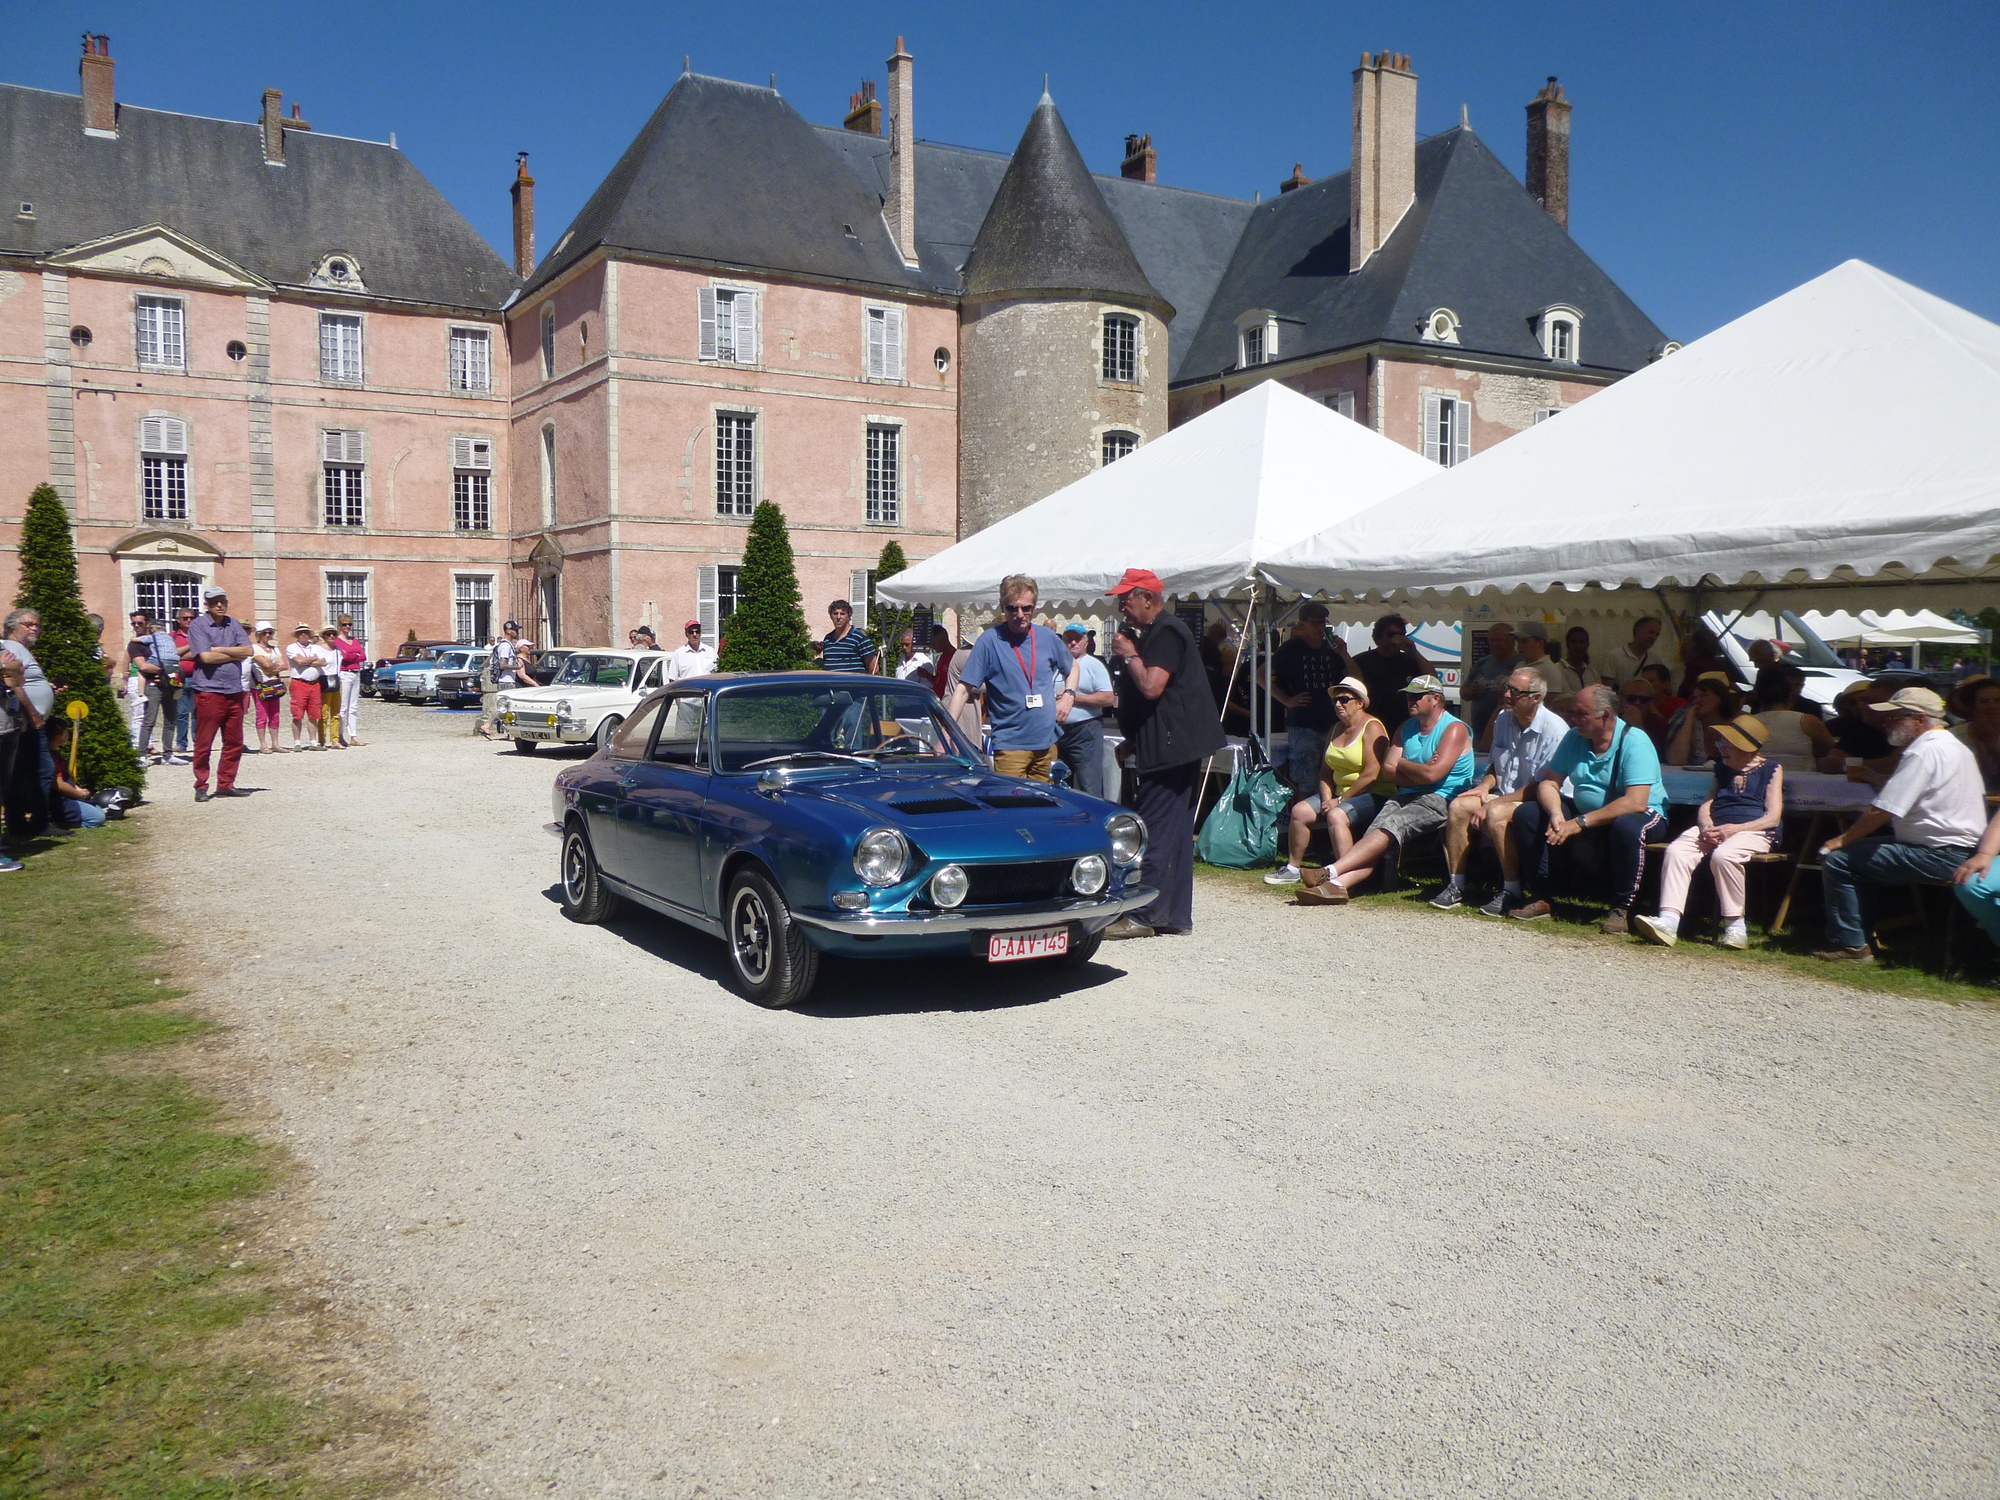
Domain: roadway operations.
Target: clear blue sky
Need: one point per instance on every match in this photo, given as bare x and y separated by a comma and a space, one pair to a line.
1723, 152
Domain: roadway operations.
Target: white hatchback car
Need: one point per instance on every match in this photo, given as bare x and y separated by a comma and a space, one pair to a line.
592, 694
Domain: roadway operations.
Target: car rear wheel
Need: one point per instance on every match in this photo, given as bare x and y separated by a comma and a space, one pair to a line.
769, 957
1081, 953
606, 729
524, 747
584, 897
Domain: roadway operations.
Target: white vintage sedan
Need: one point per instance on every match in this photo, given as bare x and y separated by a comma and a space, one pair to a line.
592, 694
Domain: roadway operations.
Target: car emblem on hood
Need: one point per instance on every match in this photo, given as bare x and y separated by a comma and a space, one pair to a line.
1026, 837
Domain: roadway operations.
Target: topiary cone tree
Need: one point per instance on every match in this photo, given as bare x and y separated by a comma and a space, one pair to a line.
66, 650
768, 631
887, 622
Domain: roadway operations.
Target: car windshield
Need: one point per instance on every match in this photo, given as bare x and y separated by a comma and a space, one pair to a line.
456, 659
800, 722
595, 671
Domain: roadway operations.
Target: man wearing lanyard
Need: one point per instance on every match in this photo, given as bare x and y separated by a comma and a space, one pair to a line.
1028, 677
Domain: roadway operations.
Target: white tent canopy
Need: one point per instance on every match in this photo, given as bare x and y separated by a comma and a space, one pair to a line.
1201, 506
1829, 439
1893, 627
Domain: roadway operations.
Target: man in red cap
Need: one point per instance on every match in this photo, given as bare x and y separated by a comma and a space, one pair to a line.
1170, 724
693, 659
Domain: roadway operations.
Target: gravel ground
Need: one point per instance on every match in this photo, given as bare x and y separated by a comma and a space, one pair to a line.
1316, 1202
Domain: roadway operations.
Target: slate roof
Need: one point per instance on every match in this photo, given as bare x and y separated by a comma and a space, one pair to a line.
730, 174
1473, 241
208, 180
1048, 228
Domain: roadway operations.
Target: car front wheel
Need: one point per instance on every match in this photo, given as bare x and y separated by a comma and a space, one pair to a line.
769, 957
524, 747
584, 897
1081, 953
606, 729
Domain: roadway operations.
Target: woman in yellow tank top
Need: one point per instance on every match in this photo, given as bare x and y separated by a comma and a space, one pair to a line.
1351, 787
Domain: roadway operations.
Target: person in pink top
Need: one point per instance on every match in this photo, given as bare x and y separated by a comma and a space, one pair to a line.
353, 657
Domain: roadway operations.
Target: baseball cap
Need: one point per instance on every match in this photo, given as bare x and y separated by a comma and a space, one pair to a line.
511, 625
1424, 684
1534, 630
1745, 732
1717, 680
213, 592
1076, 628
1312, 611
691, 625
1138, 578
1912, 700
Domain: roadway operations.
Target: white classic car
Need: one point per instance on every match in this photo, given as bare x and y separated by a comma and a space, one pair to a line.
419, 684
592, 694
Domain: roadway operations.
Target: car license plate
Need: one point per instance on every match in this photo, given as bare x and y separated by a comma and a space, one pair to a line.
1037, 942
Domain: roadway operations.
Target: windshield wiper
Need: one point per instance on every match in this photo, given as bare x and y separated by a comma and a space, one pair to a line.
778, 760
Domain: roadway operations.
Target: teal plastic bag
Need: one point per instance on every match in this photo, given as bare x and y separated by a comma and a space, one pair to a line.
1241, 830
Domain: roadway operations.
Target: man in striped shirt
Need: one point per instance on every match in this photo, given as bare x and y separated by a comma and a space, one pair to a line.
846, 649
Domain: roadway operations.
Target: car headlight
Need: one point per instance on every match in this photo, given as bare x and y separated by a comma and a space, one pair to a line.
562, 709
881, 856
1088, 875
1128, 838
950, 885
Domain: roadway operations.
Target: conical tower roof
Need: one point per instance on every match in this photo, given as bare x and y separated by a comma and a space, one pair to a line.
1049, 230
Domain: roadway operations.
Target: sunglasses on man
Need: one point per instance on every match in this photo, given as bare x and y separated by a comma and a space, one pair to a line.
1514, 692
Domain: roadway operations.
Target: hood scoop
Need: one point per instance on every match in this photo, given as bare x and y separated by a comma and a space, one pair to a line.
1017, 799
945, 803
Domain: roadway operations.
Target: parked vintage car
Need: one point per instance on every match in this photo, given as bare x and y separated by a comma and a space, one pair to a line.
386, 676
405, 651
465, 689
418, 684
799, 813
591, 696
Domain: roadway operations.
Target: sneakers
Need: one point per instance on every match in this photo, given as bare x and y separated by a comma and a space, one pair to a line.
1534, 911
9, 866
1735, 935
1501, 904
175, 760
1846, 955
1616, 923
1451, 897
1283, 875
1657, 930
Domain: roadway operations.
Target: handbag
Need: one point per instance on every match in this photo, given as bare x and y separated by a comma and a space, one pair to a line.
1241, 830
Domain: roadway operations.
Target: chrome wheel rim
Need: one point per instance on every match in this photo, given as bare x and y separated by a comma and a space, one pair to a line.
576, 869
750, 935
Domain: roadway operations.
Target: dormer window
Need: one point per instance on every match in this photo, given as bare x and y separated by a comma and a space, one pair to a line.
1440, 326
1671, 346
1561, 333
1256, 338
339, 271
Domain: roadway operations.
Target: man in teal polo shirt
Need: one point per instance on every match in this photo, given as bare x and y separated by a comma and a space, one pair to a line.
1617, 798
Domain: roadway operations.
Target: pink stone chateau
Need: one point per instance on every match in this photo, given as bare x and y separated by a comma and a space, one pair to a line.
267, 357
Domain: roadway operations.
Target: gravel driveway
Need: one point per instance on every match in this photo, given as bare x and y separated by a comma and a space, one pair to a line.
1312, 1203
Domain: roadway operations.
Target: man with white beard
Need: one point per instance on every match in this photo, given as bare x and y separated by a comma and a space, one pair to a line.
1935, 804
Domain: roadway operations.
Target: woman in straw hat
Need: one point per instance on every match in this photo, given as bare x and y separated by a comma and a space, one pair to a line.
307, 666
267, 686
1351, 788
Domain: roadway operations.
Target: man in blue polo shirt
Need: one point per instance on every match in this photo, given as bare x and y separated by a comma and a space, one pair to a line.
1028, 675
1617, 797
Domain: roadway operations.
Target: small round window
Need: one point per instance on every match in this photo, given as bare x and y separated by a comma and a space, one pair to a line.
80, 336
942, 359
237, 349
337, 269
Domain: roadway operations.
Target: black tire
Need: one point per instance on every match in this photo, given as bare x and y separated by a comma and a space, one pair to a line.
524, 747
770, 960
606, 728
1081, 953
584, 897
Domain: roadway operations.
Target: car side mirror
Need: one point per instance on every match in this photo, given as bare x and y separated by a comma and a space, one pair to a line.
770, 783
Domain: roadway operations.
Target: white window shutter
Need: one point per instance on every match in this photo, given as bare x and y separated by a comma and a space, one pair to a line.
1461, 432
471, 453
1270, 341
892, 343
152, 437
705, 301
333, 448
746, 328
875, 325
857, 595
1432, 418
704, 602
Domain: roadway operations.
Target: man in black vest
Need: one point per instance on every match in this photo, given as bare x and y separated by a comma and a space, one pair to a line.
1170, 724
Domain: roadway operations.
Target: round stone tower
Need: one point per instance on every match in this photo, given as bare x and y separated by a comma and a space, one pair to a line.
1062, 343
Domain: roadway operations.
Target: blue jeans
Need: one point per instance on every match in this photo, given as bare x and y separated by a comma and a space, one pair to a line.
1080, 746
183, 720
1981, 897
1849, 876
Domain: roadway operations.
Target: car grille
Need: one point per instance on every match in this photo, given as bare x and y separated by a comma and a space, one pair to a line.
1030, 880
946, 804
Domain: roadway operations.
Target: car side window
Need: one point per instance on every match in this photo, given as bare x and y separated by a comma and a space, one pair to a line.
630, 741
651, 678
680, 741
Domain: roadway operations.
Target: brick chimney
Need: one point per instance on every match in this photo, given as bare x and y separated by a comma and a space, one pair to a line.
1141, 160
1297, 180
275, 125
100, 101
1383, 181
864, 110
524, 218
1548, 151
900, 208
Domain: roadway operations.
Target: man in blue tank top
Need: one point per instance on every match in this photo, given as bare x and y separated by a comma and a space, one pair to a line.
1430, 760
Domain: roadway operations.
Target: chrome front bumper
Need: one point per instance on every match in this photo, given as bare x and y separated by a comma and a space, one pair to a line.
918, 924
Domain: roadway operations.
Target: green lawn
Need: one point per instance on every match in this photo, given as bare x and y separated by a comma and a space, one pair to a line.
130, 1319
1909, 967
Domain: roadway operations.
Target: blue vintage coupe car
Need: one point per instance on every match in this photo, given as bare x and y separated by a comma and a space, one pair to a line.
799, 813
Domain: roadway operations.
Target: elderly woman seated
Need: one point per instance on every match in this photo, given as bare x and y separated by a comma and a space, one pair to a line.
1739, 819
